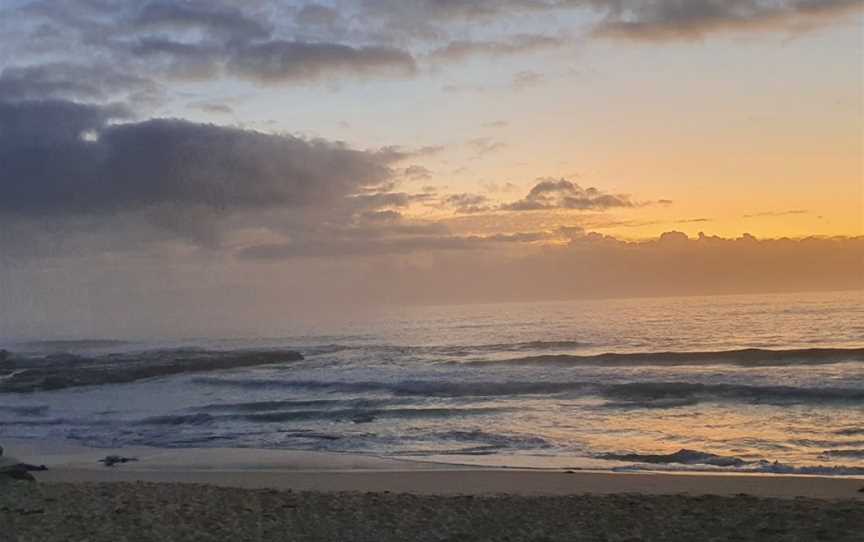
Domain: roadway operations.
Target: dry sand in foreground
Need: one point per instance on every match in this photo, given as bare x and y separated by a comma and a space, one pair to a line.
47, 512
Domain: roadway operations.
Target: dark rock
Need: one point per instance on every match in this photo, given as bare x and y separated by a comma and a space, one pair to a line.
112, 460
12, 469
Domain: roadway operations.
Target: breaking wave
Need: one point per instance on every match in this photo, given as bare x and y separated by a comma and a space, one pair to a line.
355, 415
762, 468
456, 351
685, 460
831, 454
748, 357
634, 394
52, 372
494, 440
683, 456
266, 406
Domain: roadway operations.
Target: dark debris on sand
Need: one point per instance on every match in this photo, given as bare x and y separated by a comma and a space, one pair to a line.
180, 512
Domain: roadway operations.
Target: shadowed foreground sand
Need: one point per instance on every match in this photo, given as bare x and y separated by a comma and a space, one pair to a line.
48, 512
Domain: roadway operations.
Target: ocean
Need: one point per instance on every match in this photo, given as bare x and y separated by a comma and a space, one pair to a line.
749, 383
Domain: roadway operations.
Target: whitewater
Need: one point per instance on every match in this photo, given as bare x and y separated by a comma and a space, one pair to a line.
748, 383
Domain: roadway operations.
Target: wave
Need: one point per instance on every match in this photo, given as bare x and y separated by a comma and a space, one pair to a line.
526, 346
266, 406
403, 388
493, 440
683, 456
830, 454
26, 411
850, 431
748, 357
355, 415
444, 350
631, 394
180, 419
762, 468
365, 415
652, 403
695, 460
29, 374
647, 392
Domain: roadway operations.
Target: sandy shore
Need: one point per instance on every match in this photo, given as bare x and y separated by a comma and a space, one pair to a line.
174, 512
259, 495
321, 471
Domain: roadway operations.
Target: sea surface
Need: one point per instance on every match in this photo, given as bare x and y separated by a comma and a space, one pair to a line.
768, 383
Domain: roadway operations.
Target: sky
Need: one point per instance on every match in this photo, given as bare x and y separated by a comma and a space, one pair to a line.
219, 167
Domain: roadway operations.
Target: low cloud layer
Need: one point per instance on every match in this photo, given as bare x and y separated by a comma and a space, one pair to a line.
204, 294
281, 61
552, 194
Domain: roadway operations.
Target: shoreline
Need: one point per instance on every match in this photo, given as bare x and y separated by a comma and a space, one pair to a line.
275, 495
341, 472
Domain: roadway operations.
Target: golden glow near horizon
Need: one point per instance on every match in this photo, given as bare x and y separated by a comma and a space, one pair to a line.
248, 158
736, 147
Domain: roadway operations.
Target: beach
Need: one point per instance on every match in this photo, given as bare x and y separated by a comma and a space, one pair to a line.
170, 511
431, 426
236, 494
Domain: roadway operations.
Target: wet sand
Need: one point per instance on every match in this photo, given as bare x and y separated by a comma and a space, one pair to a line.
323, 471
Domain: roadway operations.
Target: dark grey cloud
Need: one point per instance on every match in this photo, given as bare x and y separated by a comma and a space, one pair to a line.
196, 40
317, 15
417, 173
429, 19
70, 160
216, 19
178, 59
135, 42
275, 61
284, 61
546, 195
73, 81
432, 20
671, 19
46, 126
550, 194
468, 203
